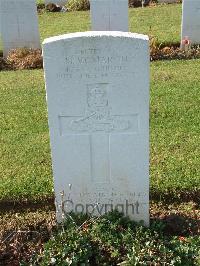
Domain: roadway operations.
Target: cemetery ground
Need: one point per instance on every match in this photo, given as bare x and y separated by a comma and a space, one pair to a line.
26, 188
26, 185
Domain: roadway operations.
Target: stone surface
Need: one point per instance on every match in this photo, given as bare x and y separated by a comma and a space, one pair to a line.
109, 15
57, 2
19, 24
191, 21
98, 109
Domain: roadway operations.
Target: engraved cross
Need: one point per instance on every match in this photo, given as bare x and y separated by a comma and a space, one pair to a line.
99, 124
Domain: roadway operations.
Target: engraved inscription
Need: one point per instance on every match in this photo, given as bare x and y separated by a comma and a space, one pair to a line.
97, 116
92, 63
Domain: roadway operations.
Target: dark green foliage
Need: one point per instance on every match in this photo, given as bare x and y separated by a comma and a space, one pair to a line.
115, 240
78, 5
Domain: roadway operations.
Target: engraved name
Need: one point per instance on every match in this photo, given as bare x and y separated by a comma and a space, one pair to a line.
89, 64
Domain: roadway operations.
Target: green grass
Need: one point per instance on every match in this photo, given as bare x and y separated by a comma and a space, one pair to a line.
25, 167
163, 22
175, 101
25, 155
62, 23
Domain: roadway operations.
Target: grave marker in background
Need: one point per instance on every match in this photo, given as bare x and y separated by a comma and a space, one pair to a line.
98, 109
19, 24
109, 15
191, 21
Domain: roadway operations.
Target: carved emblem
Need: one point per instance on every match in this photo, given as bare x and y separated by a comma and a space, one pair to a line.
97, 115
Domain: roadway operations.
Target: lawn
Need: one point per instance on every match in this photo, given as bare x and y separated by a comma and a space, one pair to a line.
163, 22
174, 129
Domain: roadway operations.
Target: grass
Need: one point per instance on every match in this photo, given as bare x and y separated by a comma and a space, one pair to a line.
162, 21
25, 167
25, 164
175, 100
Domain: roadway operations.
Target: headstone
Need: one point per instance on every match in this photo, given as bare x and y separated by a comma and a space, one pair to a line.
19, 24
109, 15
191, 21
98, 109
56, 2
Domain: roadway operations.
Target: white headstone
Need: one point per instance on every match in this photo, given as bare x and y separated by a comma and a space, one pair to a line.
109, 15
191, 21
19, 24
98, 109
56, 2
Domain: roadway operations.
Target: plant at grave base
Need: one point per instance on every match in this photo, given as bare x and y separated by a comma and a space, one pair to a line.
3, 64
24, 58
78, 5
40, 7
154, 46
186, 44
114, 239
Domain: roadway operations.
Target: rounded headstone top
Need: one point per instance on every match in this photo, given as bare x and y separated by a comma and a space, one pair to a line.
96, 34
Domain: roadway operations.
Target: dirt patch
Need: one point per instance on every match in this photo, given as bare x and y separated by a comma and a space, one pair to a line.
17, 205
24, 59
173, 53
23, 234
181, 220
53, 8
179, 196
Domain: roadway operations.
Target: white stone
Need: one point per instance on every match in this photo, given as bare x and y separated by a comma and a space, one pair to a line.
57, 2
98, 109
19, 24
109, 15
191, 21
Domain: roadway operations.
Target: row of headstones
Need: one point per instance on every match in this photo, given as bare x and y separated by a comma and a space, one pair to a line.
19, 22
